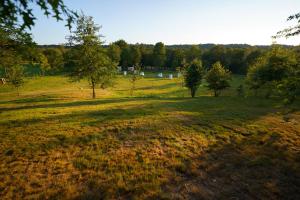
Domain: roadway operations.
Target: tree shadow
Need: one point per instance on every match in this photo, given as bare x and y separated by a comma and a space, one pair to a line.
205, 114
259, 166
245, 165
60, 105
158, 87
36, 99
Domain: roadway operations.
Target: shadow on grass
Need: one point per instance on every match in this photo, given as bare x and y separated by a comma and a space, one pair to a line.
60, 105
259, 166
159, 87
256, 166
205, 113
222, 108
36, 99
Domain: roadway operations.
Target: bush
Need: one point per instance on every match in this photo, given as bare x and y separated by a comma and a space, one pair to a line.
218, 78
193, 76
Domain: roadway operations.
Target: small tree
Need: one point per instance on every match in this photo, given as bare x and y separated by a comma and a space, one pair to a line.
135, 76
43, 63
218, 78
91, 61
15, 76
193, 76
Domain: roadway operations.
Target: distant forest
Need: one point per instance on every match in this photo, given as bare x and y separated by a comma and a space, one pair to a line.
235, 57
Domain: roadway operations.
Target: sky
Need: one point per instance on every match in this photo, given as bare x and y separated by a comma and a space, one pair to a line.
178, 21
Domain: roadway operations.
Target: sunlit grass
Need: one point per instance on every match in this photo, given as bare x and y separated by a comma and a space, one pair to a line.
57, 142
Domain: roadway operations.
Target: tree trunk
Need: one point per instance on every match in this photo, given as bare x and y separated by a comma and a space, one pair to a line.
216, 93
193, 92
94, 94
93, 87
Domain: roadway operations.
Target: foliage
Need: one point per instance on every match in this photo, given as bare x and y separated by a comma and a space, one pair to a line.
133, 79
125, 57
269, 70
15, 45
121, 43
114, 53
135, 55
16, 49
43, 63
289, 88
193, 76
291, 31
55, 59
194, 52
70, 55
159, 55
241, 91
91, 61
19, 12
218, 78
15, 76
215, 54
177, 58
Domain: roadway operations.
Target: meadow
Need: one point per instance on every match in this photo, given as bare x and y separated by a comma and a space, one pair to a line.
58, 143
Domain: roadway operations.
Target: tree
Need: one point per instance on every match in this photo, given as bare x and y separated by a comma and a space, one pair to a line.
126, 59
121, 43
43, 63
16, 50
114, 53
275, 68
194, 52
19, 12
218, 78
15, 43
70, 56
135, 55
215, 54
91, 61
146, 56
177, 58
236, 59
55, 58
251, 57
15, 76
193, 76
159, 55
289, 88
291, 31
134, 77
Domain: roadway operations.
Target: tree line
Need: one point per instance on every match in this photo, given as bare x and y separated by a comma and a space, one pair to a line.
161, 57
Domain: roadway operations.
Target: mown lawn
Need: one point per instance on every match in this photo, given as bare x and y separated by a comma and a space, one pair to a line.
58, 143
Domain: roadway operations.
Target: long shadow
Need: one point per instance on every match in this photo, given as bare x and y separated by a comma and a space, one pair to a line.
158, 87
232, 170
206, 112
222, 108
36, 99
209, 105
65, 104
256, 167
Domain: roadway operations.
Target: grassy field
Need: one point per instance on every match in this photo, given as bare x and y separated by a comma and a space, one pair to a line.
58, 143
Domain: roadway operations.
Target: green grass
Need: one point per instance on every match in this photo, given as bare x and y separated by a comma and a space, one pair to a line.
58, 143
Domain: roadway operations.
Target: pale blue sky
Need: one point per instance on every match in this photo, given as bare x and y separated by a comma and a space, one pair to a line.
178, 21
